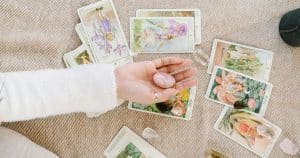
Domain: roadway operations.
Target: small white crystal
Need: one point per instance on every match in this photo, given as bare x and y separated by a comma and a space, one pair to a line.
201, 57
288, 147
149, 133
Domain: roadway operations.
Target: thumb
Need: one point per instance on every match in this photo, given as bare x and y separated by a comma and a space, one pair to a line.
167, 93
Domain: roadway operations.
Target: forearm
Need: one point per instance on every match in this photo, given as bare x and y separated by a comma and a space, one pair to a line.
29, 95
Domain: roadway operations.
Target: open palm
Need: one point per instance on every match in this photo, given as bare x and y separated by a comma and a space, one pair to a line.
135, 80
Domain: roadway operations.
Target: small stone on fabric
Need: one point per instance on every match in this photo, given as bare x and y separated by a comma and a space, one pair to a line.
287, 146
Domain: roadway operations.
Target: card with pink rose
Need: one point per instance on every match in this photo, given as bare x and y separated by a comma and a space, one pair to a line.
237, 90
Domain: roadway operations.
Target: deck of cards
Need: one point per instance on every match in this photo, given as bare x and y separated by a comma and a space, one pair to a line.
239, 81
102, 37
239, 77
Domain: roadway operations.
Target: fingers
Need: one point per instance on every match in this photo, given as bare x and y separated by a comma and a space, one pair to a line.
167, 61
185, 74
174, 67
185, 84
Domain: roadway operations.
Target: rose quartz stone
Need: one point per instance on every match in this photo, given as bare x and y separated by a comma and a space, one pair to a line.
163, 80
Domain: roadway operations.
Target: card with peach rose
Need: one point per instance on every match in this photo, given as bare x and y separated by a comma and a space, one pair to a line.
237, 90
249, 130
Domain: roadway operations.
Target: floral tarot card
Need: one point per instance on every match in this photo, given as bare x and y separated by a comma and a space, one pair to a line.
104, 31
175, 13
77, 57
82, 36
248, 60
237, 90
162, 34
128, 144
180, 106
248, 129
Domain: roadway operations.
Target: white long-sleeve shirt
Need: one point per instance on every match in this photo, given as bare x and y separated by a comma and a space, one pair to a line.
36, 94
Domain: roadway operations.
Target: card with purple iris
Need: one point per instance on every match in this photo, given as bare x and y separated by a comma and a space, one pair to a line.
195, 13
104, 32
162, 35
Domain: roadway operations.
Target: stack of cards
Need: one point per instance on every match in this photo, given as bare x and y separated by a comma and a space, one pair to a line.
165, 30
103, 39
239, 81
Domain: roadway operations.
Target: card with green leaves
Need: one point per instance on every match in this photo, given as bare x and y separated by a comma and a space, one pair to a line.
128, 144
248, 60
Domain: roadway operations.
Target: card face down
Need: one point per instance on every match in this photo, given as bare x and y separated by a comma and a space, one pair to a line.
196, 13
248, 60
249, 130
103, 30
237, 90
162, 35
128, 144
180, 106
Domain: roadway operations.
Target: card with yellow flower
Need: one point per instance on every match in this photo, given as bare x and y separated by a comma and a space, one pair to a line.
179, 106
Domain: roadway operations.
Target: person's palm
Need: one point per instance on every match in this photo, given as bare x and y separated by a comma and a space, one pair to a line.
135, 80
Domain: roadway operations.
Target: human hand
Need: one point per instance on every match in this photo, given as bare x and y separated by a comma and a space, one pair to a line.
135, 80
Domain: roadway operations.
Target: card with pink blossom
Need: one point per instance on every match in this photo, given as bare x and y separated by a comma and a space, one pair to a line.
237, 90
162, 35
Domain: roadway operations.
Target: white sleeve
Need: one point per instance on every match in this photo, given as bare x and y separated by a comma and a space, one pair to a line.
36, 94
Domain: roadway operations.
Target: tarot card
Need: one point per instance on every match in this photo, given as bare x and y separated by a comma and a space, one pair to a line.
162, 35
77, 57
248, 60
82, 36
108, 60
103, 30
237, 90
175, 13
128, 144
248, 129
180, 106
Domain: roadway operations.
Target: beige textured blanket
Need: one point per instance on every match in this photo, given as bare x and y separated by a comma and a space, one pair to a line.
35, 34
